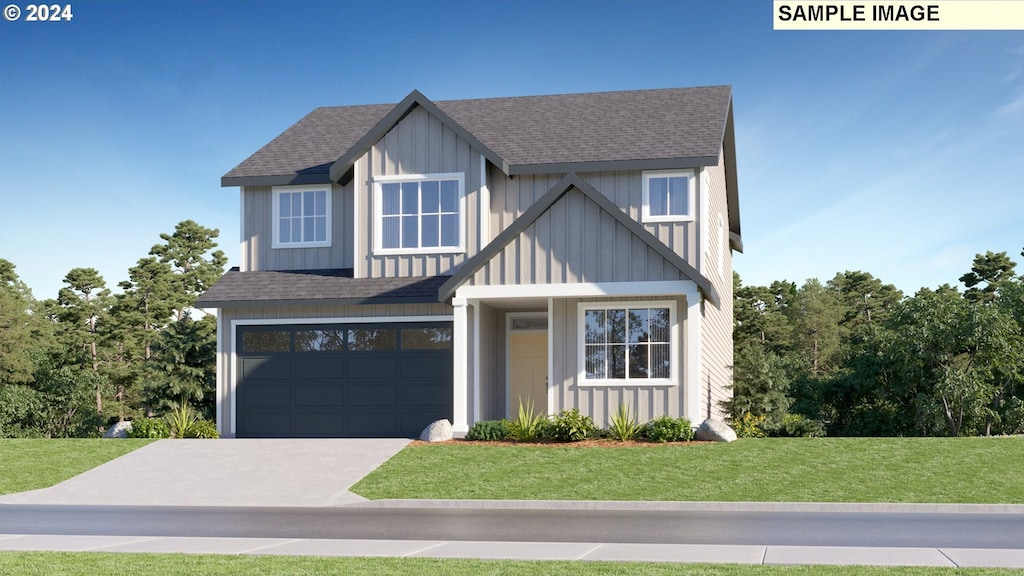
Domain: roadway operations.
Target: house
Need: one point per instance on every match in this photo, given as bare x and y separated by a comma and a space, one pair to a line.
403, 263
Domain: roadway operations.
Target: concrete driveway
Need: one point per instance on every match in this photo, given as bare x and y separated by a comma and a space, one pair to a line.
227, 472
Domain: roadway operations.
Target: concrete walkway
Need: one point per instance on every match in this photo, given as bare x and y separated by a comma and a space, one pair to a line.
687, 553
270, 472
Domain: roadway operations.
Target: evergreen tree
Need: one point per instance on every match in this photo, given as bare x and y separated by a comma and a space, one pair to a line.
186, 250
994, 269
84, 308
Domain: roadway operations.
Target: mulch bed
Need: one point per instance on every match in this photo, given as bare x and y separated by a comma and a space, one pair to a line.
589, 443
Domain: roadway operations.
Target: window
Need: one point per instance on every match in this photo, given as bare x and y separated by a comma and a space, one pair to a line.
668, 196
302, 216
627, 343
419, 213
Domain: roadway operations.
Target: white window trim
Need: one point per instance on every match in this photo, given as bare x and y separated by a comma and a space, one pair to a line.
378, 227
691, 194
673, 320
276, 211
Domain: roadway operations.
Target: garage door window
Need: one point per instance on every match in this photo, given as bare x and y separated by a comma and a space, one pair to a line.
371, 339
319, 340
265, 341
426, 338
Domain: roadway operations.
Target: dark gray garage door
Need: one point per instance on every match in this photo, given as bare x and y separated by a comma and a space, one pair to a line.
343, 380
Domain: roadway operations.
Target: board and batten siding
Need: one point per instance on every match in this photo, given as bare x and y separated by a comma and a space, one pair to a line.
225, 335
419, 144
510, 197
717, 322
257, 252
600, 402
575, 240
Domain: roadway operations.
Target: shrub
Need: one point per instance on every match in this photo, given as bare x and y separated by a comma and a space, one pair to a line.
149, 428
797, 426
571, 426
668, 429
749, 426
487, 430
181, 421
623, 424
204, 429
526, 426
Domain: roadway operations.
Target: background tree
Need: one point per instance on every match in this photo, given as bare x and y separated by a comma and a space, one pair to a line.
193, 272
994, 269
84, 308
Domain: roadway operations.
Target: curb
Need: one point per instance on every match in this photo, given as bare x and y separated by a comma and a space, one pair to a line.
614, 505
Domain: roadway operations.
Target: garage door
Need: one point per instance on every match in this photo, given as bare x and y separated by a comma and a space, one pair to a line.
343, 380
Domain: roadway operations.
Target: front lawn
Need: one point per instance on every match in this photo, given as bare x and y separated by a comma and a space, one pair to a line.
90, 563
928, 470
28, 464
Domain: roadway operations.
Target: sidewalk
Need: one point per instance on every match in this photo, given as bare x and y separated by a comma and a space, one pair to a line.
685, 553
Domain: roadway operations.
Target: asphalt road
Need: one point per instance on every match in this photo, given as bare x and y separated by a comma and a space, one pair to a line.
890, 529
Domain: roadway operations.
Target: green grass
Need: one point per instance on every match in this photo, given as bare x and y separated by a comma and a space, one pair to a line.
929, 470
29, 464
82, 563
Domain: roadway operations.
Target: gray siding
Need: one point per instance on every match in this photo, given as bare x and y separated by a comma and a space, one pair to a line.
226, 367
257, 235
419, 144
492, 362
510, 197
717, 323
599, 402
576, 241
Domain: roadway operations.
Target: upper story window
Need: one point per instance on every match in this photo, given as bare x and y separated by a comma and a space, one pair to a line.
302, 216
668, 196
420, 213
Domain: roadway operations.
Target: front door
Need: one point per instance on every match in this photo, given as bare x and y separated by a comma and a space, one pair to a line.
528, 371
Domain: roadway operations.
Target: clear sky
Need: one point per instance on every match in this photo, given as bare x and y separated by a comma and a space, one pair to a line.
897, 153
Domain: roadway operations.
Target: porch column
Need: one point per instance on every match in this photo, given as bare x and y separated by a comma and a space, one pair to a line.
460, 380
691, 360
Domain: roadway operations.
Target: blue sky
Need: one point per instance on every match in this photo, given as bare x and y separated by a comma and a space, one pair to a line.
897, 153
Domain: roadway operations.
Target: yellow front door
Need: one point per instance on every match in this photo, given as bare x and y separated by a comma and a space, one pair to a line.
528, 371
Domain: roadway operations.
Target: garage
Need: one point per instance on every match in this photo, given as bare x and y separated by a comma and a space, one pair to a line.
342, 380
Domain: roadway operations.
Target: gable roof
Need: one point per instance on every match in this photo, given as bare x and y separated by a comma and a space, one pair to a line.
315, 287
542, 205
637, 129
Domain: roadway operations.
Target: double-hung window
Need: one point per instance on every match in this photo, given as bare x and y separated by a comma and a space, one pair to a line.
302, 216
627, 343
421, 213
668, 196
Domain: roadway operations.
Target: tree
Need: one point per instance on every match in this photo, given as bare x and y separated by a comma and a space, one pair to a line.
193, 273
815, 316
864, 298
950, 350
995, 269
184, 367
84, 307
21, 331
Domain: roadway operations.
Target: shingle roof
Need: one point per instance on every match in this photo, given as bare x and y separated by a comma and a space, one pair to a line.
678, 126
315, 287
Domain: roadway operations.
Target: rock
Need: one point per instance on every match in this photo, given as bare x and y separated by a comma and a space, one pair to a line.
119, 430
438, 431
715, 430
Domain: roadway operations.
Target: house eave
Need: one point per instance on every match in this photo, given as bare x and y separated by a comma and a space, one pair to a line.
284, 303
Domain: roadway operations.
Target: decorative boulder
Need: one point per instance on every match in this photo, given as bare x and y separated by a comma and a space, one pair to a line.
714, 430
118, 430
438, 431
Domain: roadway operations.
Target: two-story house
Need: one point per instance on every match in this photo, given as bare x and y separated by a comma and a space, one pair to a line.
407, 263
